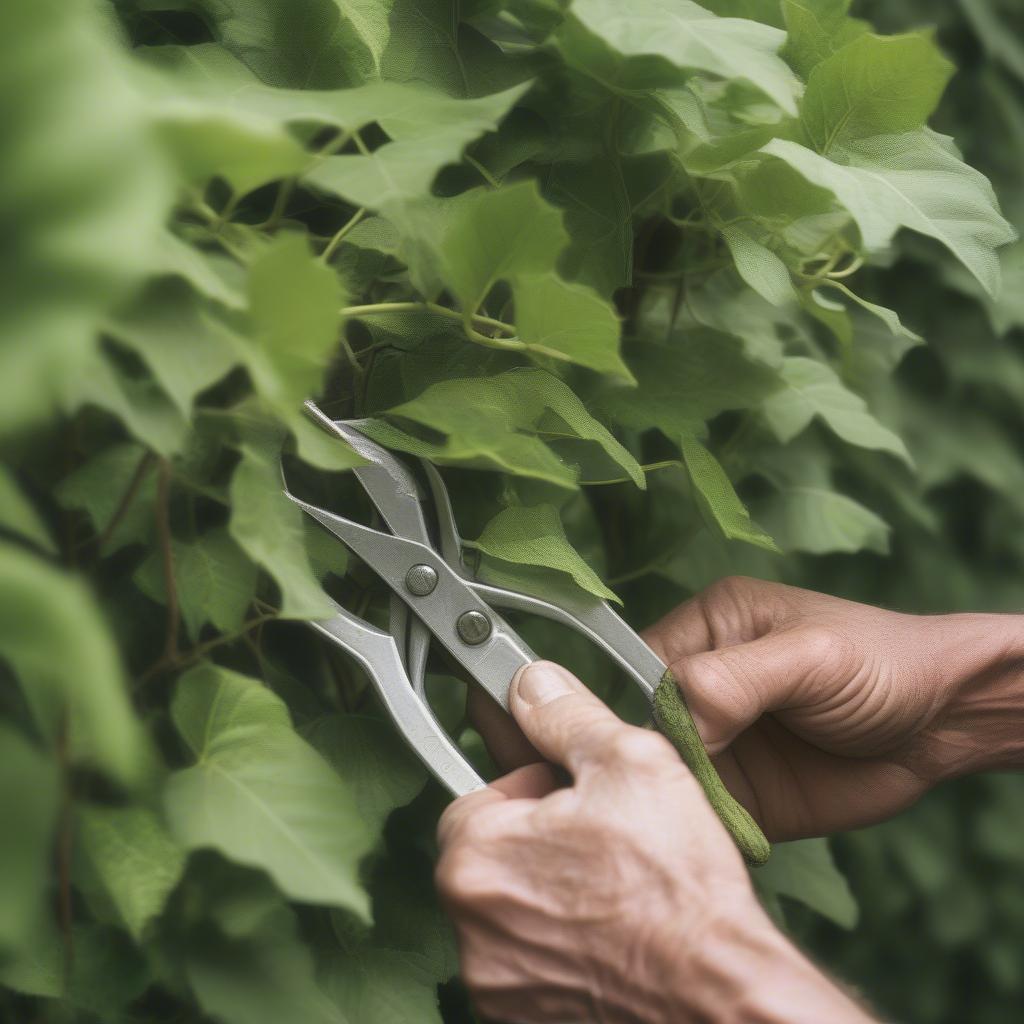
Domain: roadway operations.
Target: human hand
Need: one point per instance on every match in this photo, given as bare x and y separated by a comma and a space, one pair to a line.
620, 899
823, 714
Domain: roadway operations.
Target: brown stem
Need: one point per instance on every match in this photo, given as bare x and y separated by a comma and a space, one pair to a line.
163, 529
165, 663
131, 491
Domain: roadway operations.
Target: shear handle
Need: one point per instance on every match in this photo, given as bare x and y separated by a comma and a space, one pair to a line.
377, 652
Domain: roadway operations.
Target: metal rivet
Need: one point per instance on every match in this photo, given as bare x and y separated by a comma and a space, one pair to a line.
474, 627
421, 580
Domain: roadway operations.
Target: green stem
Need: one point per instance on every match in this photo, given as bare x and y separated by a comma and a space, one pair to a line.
340, 234
651, 467
676, 723
481, 170
383, 308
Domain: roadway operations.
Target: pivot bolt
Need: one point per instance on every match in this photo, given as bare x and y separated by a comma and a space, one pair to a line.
473, 627
421, 580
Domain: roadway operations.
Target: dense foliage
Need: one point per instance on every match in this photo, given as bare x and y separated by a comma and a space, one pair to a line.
633, 275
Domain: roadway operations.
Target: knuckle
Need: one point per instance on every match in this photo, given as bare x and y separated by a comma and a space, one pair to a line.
638, 748
455, 873
827, 647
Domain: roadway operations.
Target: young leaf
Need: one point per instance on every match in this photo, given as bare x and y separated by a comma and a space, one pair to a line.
260, 794
915, 180
718, 497
535, 536
501, 422
815, 29
876, 85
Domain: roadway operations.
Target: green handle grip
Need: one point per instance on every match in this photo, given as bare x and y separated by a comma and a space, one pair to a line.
675, 721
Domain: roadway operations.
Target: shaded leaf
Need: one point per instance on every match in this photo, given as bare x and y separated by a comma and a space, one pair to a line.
134, 858
813, 389
29, 796
54, 637
260, 794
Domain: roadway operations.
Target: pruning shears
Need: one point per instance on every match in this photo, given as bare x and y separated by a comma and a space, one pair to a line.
434, 597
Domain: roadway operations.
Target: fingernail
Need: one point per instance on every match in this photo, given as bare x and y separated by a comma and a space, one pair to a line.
541, 683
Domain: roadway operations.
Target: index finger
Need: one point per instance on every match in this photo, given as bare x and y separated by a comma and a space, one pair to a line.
732, 611
531, 782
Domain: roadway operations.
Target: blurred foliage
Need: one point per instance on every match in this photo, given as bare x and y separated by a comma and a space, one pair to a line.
638, 283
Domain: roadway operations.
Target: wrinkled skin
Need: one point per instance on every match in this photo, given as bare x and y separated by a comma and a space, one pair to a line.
825, 715
621, 897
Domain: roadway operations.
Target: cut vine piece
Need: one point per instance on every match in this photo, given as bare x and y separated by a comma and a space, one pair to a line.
676, 722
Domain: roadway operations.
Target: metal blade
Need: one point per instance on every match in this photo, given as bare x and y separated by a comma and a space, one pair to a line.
387, 480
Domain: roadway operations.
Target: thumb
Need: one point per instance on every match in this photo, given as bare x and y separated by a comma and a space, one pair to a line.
564, 720
729, 689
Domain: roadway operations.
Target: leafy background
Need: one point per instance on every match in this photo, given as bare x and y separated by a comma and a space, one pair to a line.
638, 283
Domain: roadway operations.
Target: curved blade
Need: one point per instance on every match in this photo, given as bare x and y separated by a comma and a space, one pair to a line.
387, 480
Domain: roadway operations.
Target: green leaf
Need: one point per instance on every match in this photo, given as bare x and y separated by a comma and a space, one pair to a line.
512, 234
535, 536
107, 973
501, 422
265, 978
374, 761
143, 406
656, 39
269, 529
185, 347
718, 497
813, 389
428, 131
876, 85
816, 29
319, 50
683, 384
761, 268
84, 194
29, 796
569, 321
99, 486
260, 794
804, 871
134, 858
294, 303
821, 521
55, 639
18, 515
916, 180
215, 581
381, 986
